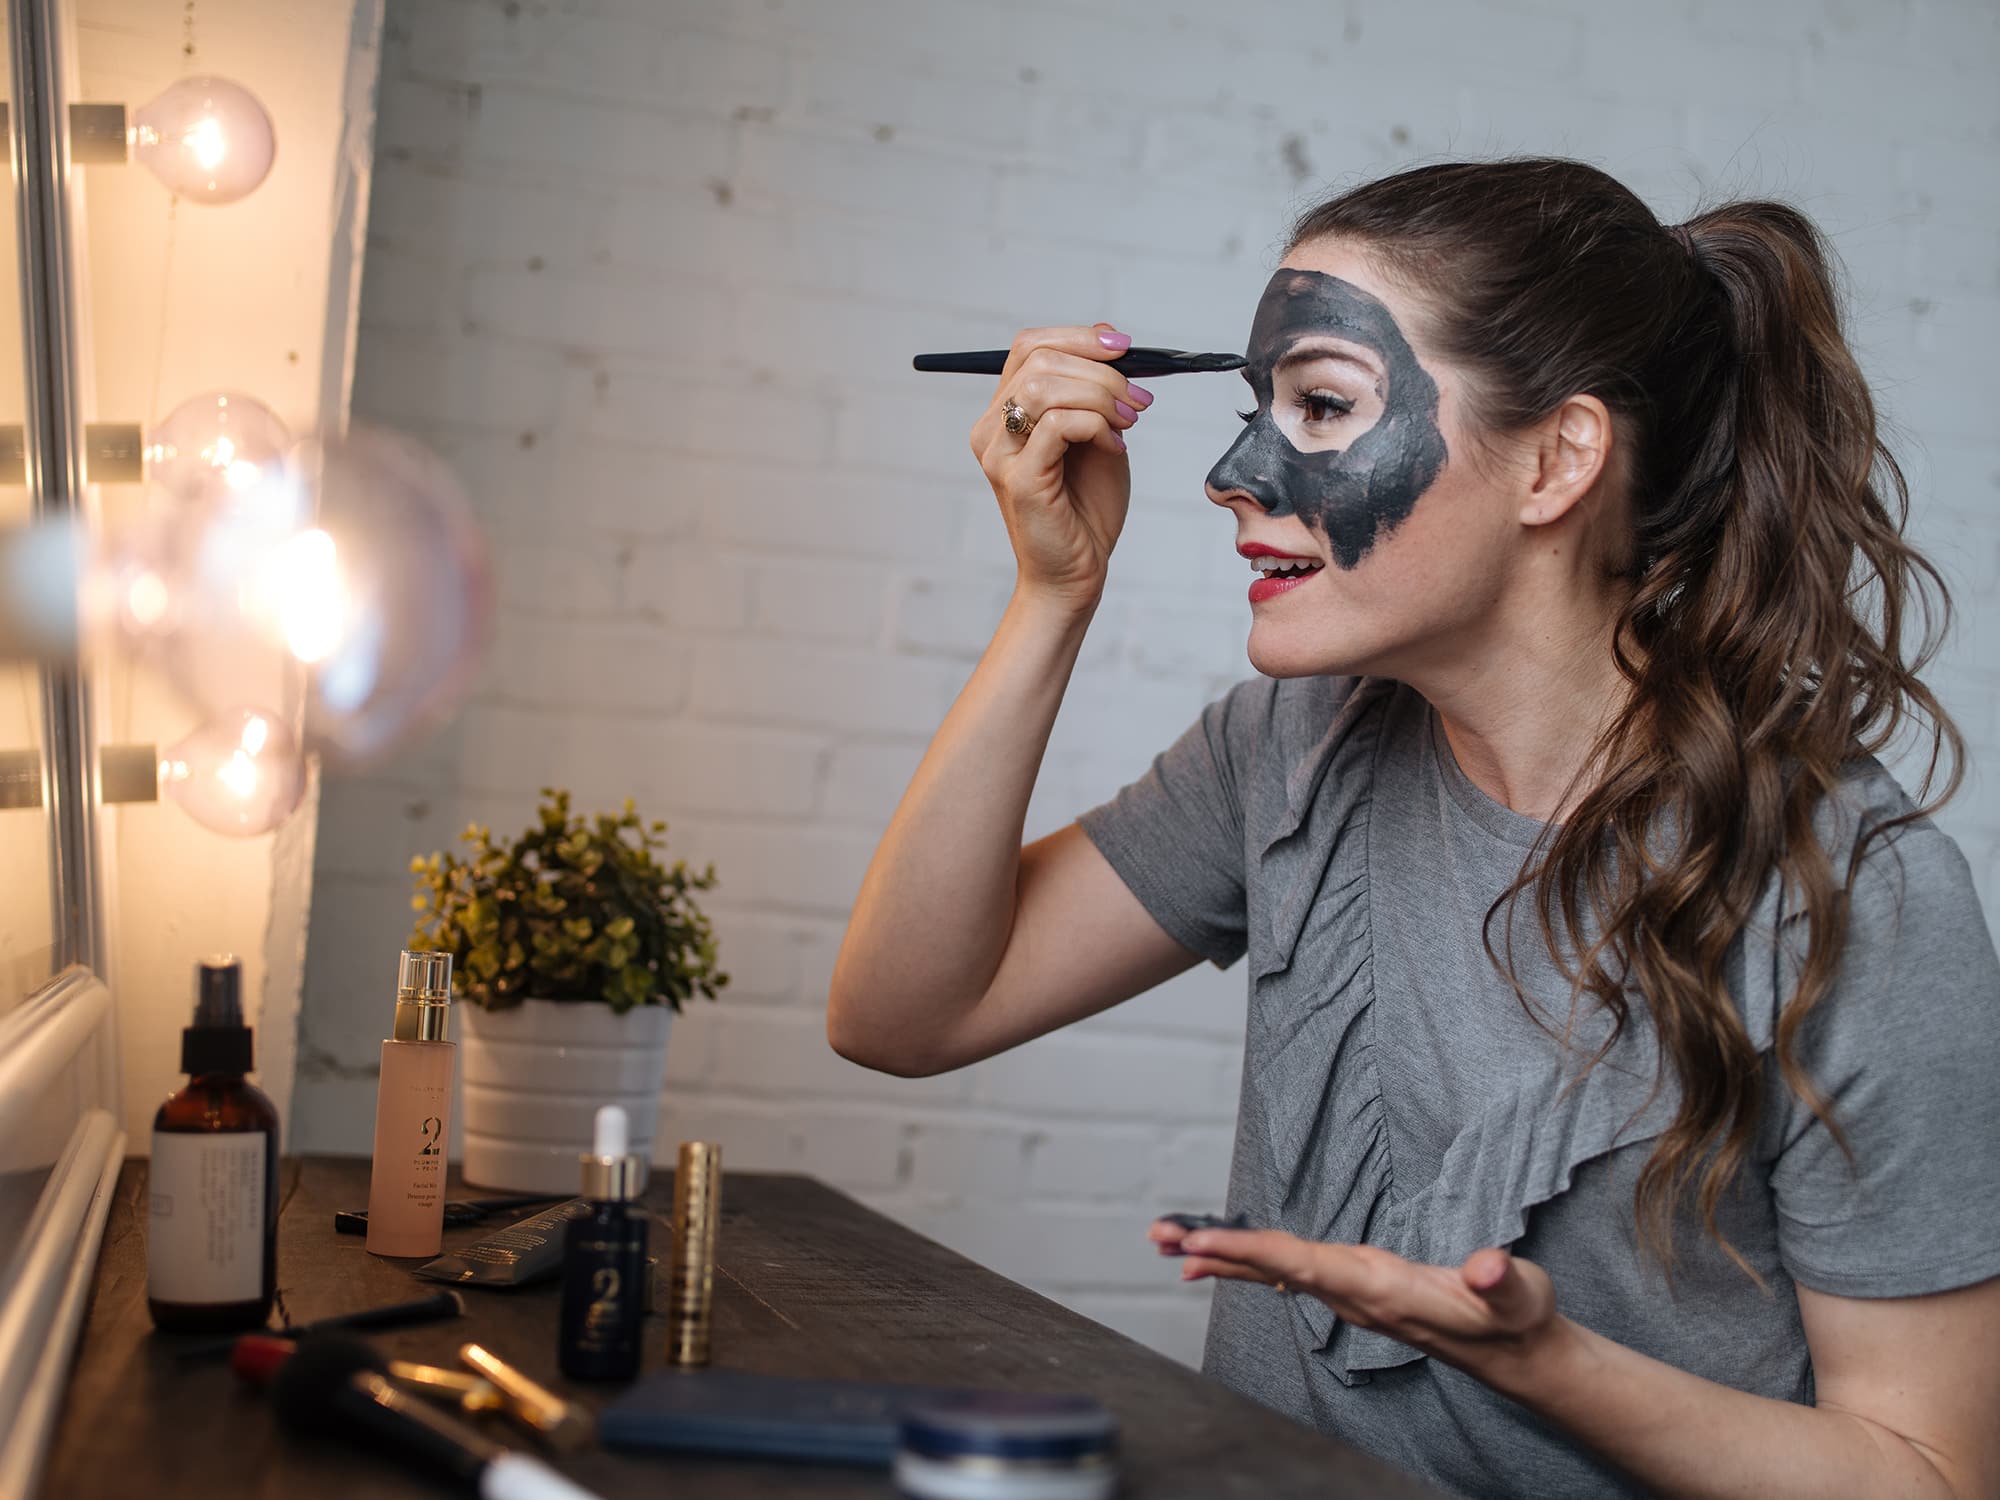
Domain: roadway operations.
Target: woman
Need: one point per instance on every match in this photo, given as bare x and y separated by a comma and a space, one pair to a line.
1619, 1096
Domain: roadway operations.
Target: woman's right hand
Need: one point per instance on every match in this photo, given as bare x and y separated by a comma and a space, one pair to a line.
1064, 488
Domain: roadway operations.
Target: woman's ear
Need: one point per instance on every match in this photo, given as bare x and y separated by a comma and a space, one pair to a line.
1572, 452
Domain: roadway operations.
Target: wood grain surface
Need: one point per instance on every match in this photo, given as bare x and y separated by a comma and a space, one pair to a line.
809, 1283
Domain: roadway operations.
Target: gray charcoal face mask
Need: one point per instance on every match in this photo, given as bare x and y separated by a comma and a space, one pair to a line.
1356, 495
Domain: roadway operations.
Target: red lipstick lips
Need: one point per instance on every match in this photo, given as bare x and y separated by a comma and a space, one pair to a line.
1280, 577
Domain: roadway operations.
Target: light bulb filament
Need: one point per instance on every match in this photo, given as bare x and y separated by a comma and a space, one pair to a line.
207, 143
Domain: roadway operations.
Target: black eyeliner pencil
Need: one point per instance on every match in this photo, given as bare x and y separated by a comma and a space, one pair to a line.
396, 1315
1135, 364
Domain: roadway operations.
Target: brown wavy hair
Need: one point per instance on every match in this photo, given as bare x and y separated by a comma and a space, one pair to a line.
1772, 595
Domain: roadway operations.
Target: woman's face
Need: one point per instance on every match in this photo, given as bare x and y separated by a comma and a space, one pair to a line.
1355, 460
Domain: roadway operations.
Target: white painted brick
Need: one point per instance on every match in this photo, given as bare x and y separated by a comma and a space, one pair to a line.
978, 1158
670, 769
759, 953
1191, 1169
827, 512
694, 587
508, 485
865, 782
820, 600
912, 431
628, 314
573, 577
412, 379
420, 214
811, 870
952, 616
787, 1056
818, 948
1125, 1077
1121, 214
835, 335
1095, 1162
626, 668
539, 134
629, 489
730, 416
852, 1151
1205, 1001
795, 683
1048, 1246
877, 179
857, 96
350, 991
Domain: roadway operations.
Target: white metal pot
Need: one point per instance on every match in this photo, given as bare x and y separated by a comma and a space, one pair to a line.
534, 1077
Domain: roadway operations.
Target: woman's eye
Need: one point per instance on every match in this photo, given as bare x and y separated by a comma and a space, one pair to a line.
1324, 406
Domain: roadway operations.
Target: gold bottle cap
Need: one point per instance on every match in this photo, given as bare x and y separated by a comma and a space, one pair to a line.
611, 1174
423, 997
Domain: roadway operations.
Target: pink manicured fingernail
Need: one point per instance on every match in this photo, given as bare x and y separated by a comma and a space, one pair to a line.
1124, 411
1141, 397
1112, 339
1119, 439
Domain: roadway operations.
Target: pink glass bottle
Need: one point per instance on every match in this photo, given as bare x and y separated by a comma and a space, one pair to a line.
413, 1113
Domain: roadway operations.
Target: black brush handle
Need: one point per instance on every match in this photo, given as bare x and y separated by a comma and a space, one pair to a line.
1134, 364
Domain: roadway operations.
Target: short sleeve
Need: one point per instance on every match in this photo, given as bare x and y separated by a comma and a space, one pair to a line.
1175, 836
1905, 1048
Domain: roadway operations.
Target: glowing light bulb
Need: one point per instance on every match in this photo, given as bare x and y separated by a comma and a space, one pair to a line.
397, 604
349, 575
241, 773
219, 438
207, 139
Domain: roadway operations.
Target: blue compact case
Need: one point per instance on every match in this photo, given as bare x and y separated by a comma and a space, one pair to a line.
768, 1416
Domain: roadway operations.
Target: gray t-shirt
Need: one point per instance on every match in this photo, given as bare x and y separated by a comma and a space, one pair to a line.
1396, 1094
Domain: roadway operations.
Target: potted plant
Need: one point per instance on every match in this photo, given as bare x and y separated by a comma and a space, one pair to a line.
572, 948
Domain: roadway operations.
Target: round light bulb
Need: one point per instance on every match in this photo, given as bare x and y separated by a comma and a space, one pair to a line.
351, 572
199, 585
207, 139
241, 773
217, 439
391, 603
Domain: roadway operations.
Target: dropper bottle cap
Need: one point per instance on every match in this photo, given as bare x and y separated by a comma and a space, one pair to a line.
423, 997
218, 1041
610, 1173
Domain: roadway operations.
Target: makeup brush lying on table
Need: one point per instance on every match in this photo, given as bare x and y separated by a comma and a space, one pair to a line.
1134, 364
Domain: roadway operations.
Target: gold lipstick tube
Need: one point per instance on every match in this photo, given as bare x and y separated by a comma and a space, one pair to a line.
691, 1279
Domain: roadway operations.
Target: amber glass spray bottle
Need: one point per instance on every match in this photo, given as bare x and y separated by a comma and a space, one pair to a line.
413, 1113
212, 1230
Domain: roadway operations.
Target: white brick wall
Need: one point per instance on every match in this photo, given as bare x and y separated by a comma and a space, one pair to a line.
650, 276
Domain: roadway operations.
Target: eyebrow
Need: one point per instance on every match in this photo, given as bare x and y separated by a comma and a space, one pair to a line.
1305, 352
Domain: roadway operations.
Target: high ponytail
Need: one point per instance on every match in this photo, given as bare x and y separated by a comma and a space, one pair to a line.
1776, 620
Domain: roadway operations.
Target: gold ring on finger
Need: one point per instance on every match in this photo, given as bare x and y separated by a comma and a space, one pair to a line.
1279, 1286
1018, 421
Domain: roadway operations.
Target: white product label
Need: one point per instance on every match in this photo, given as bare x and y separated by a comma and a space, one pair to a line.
206, 1231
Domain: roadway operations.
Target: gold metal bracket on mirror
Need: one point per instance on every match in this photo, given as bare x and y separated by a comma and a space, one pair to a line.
98, 135
113, 453
125, 773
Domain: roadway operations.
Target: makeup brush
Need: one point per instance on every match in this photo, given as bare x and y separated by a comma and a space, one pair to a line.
1133, 363
339, 1388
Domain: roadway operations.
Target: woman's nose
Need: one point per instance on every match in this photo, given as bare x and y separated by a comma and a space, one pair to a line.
1229, 496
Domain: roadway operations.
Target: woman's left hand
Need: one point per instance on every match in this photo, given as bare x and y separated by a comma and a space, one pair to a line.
1494, 1309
